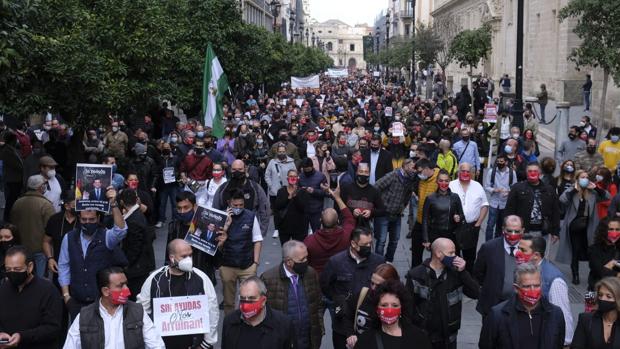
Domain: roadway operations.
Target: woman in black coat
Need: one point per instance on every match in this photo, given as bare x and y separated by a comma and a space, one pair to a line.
290, 205
392, 330
601, 329
443, 212
605, 252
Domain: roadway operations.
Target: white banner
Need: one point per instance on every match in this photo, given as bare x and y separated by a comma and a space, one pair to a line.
177, 316
306, 82
337, 73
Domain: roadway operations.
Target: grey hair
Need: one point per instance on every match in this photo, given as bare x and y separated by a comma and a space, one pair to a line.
262, 289
289, 247
525, 268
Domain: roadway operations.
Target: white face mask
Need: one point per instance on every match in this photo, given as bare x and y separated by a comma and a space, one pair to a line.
51, 173
185, 264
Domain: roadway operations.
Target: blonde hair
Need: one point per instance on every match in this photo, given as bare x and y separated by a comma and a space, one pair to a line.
611, 283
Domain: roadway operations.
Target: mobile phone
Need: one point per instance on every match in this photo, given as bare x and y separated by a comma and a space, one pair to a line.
4, 341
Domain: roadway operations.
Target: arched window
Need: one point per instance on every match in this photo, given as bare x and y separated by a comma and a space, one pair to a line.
330, 46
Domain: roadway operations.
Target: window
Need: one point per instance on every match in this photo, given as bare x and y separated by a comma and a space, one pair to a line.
329, 31
340, 41
320, 31
352, 47
330, 46
407, 29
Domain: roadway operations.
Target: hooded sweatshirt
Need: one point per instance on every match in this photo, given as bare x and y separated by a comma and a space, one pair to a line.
325, 243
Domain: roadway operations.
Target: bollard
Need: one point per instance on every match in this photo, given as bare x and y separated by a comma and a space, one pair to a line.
561, 126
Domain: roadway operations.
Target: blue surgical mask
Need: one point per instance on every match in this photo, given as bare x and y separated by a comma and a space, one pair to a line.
507, 149
615, 138
237, 211
185, 217
447, 261
583, 182
200, 134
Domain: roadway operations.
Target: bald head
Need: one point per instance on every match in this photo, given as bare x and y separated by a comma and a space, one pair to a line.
465, 167
442, 247
237, 165
177, 250
329, 218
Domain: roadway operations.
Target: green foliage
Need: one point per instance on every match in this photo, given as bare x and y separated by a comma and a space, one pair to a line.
93, 57
428, 44
598, 26
470, 46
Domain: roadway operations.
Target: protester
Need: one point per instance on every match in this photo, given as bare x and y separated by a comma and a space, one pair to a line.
443, 213
378, 159
393, 330
604, 252
255, 324
588, 159
108, 321
364, 200
526, 319
181, 278
598, 330
293, 289
437, 287
31, 306
497, 185
610, 148
426, 187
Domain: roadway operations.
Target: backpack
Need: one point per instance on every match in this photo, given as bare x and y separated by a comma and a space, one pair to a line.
510, 176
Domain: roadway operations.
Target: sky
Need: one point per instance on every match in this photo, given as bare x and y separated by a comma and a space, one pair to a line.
349, 11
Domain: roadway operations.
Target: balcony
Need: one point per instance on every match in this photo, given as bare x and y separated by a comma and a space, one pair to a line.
407, 12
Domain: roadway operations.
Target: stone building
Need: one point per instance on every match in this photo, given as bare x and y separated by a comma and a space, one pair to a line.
547, 44
343, 43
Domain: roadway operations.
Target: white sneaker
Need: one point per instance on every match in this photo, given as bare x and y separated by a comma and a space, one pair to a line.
159, 224
276, 234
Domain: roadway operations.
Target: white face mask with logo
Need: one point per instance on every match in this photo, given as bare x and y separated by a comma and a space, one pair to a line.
185, 264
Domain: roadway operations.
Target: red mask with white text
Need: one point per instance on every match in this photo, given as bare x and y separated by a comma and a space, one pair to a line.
465, 176
513, 239
530, 296
388, 315
613, 236
293, 180
443, 185
120, 296
251, 309
532, 176
522, 258
218, 174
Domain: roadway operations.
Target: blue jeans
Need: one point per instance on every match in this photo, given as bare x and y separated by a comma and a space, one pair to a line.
413, 211
496, 218
586, 98
40, 264
168, 191
384, 226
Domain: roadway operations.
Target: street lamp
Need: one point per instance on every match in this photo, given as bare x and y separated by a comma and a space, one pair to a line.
275, 6
300, 32
313, 39
377, 35
517, 107
387, 45
413, 65
307, 37
291, 24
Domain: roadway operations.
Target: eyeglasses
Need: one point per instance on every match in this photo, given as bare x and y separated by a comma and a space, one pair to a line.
512, 231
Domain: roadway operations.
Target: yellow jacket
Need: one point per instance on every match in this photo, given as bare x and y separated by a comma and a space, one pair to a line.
426, 188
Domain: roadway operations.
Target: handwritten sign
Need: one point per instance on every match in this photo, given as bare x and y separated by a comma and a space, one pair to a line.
177, 316
169, 176
490, 113
398, 129
388, 111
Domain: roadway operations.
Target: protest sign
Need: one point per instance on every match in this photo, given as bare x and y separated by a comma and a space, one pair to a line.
490, 112
305, 82
178, 316
204, 229
91, 181
388, 111
169, 176
337, 72
398, 129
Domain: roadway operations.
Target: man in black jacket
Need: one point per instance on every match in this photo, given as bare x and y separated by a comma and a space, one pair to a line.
536, 203
526, 319
138, 245
437, 286
254, 324
379, 160
345, 274
495, 265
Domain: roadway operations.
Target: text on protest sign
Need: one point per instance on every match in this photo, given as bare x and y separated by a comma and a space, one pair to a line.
177, 316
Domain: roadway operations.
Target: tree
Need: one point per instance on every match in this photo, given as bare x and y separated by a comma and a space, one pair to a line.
598, 26
427, 45
470, 46
446, 29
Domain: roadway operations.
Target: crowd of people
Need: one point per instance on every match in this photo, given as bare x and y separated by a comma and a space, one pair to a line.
337, 171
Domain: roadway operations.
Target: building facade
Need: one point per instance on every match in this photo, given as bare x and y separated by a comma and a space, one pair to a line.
547, 44
257, 12
342, 42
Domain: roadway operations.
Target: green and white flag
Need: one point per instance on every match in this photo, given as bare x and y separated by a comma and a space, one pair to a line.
214, 84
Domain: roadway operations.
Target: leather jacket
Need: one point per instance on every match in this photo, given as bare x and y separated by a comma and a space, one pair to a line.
438, 216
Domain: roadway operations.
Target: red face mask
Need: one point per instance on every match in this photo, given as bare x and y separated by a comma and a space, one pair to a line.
522, 257
532, 176
513, 239
293, 180
613, 236
189, 141
388, 315
218, 174
251, 309
443, 185
529, 296
311, 139
132, 184
356, 160
465, 176
342, 142
120, 296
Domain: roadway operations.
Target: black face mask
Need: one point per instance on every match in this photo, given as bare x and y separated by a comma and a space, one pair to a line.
300, 268
605, 306
364, 251
5, 245
309, 173
17, 278
465, 138
362, 179
591, 150
237, 175
375, 149
500, 166
572, 136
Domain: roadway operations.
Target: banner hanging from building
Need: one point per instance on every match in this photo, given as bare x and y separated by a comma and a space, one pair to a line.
305, 82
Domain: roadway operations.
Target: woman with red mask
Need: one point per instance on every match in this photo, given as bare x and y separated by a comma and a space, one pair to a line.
204, 196
290, 206
580, 221
393, 330
442, 212
605, 252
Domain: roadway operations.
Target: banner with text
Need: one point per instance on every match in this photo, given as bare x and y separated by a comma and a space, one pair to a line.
305, 82
337, 73
178, 316
91, 181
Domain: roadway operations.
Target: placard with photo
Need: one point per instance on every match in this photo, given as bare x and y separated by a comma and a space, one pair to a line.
91, 181
205, 228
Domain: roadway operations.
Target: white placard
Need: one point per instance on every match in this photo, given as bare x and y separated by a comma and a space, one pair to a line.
398, 129
177, 316
337, 73
388, 111
305, 82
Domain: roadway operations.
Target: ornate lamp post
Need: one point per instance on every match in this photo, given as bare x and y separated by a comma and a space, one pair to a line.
307, 37
313, 39
291, 24
517, 107
275, 6
387, 45
413, 64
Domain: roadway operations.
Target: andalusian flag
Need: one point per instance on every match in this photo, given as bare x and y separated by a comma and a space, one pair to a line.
214, 84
